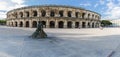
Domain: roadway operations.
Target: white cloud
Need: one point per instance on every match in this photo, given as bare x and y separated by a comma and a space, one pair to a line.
6, 5
102, 2
113, 10
86, 4
95, 5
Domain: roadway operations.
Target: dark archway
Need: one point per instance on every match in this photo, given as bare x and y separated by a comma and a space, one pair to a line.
83, 15
21, 14
34, 13
52, 13
16, 24
76, 24
88, 25
34, 24
92, 25
69, 14
61, 24
61, 13
76, 14
21, 24
83, 24
52, 24
88, 16
69, 24
27, 23
27, 14
44, 24
11, 23
43, 13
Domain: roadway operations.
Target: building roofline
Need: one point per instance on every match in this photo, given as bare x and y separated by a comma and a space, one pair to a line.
65, 6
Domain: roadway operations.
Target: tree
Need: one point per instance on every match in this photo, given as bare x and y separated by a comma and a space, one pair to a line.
106, 23
2, 22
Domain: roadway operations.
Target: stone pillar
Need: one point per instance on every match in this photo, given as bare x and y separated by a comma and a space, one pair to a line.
73, 24
24, 24
65, 24
86, 24
39, 13
30, 23
65, 13
31, 13
47, 24
73, 14
80, 24
56, 23
47, 13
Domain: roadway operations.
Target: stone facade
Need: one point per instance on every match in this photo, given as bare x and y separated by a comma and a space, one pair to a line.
53, 16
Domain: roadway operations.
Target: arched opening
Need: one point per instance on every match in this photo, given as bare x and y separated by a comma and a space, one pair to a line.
52, 24
61, 13
83, 24
11, 23
93, 16
76, 24
43, 13
27, 14
52, 13
88, 16
27, 23
34, 13
92, 25
21, 14
21, 24
69, 14
88, 25
83, 15
15, 24
69, 24
61, 24
44, 24
76, 14
34, 25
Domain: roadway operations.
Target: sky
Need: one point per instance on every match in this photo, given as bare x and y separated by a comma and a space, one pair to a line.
109, 9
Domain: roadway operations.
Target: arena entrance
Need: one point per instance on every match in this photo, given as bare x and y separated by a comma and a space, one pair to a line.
61, 24
69, 24
27, 23
83, 24
34, 25
76, 24
44, 24
21, 24
88, 25
92, 25
15, 24
52, 24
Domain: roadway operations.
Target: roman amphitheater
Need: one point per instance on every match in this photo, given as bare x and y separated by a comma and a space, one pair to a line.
53, 16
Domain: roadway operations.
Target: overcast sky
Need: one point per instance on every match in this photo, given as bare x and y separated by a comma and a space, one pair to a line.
109, 9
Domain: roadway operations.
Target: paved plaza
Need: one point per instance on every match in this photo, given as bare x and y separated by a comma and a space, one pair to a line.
92, 42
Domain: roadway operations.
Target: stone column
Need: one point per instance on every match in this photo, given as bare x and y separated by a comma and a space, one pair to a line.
24, 23
65, 13
86, 24
31, 13
56, 23
39, 13
80, 24
30, 23
73, 24
65, 24
47, 24
73, 14
47, 13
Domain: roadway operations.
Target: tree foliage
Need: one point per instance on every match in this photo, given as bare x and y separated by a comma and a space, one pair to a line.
2, 22
106, 23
